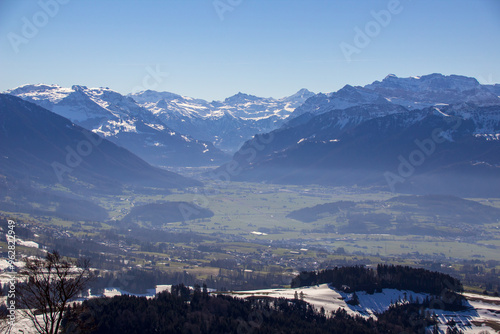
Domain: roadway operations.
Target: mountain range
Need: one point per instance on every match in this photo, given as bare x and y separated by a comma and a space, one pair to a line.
121, 120
399, 134
412, 93
227, 124
164, 128
417, 134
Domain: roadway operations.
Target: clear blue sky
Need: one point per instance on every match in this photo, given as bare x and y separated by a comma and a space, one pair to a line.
261, 47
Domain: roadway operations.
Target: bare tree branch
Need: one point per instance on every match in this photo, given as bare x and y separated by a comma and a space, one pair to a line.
51, 285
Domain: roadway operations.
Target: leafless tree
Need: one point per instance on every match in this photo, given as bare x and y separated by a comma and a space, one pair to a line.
52, 283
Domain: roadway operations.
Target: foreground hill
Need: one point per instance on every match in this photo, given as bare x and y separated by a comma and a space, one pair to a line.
297, 310
186, 311
481, 316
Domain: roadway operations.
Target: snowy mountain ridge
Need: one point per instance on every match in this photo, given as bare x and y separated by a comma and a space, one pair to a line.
226, 123
121, 120
229, 123
413, 93
240, 105
80, 103
433, 89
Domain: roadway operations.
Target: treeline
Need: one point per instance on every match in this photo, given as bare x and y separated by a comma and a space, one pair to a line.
196, 311
360, 278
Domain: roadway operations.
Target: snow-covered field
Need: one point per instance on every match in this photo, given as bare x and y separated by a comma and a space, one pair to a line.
22, 324
331, 300
485, 310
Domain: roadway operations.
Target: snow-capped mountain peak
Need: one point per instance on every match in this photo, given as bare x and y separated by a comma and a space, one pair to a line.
346, 97
427, 82
228, 123
242, 98
154, 96
302, 95
80, 103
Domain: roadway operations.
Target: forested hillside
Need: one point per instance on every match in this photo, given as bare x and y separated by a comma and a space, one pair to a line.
188, 311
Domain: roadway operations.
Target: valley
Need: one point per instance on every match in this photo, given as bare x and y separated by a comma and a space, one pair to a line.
250, 234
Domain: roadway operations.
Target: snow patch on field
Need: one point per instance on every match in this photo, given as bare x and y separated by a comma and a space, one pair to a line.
483, 309
380, 302
325, 296
112, 292
30, 244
